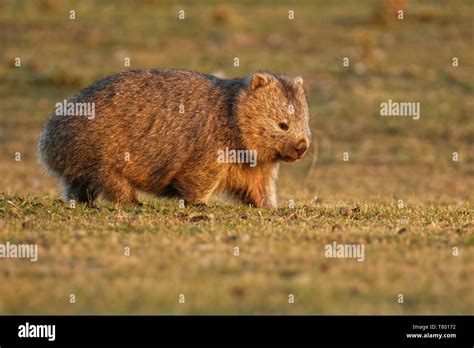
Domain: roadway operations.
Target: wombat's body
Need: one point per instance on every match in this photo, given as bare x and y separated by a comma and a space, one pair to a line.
160, 131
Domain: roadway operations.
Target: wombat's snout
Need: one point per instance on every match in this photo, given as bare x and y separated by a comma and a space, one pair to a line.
296, 151
301, 148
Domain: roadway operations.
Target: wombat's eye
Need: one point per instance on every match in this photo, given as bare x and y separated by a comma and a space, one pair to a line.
283, 126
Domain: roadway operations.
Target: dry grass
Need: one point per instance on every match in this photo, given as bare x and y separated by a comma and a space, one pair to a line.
176, 251
191, 251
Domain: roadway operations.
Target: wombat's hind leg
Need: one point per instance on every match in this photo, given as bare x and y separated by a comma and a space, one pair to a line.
79, 190
118, 190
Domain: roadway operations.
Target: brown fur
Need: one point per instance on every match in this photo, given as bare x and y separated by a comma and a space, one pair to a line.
173, 153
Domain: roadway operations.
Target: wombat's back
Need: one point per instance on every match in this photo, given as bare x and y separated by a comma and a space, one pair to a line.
146, 125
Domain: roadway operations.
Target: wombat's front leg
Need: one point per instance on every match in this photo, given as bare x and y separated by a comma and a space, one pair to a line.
260, 190
261, 195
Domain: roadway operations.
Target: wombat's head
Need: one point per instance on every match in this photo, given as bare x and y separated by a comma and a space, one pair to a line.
273, 117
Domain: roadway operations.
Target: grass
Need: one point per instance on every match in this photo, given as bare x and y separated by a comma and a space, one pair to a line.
190, 251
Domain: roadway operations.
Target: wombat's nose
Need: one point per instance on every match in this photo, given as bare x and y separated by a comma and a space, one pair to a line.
301, 147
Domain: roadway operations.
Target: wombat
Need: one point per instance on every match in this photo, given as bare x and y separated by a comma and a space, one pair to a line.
170, 132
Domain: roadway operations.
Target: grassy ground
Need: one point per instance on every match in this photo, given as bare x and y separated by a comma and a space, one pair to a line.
190, 251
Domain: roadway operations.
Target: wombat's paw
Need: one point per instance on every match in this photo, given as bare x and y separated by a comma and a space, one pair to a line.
269, 206
263, 205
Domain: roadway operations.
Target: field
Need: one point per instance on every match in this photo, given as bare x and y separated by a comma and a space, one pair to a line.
400, 187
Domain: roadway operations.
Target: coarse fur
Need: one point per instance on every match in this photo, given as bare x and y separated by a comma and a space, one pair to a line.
160, 130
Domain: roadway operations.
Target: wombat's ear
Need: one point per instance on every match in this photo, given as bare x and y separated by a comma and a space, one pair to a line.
258, 80
299, 84
298, 80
